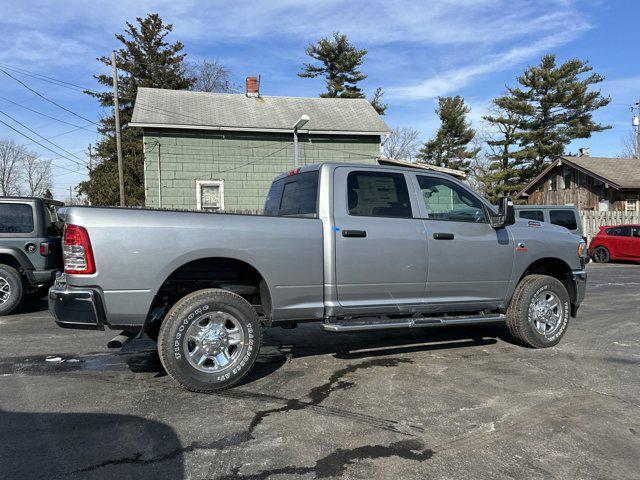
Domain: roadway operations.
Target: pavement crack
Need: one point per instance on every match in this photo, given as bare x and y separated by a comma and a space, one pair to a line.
336, 463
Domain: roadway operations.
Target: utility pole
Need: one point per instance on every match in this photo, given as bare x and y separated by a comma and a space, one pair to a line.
70, 196
636, 122
116, 108
90, 153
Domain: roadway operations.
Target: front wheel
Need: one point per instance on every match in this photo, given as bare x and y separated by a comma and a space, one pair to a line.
209, 340
538, 314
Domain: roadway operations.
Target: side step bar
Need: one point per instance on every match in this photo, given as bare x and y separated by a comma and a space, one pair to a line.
388, 324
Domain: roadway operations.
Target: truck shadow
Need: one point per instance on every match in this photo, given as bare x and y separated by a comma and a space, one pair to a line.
87, 445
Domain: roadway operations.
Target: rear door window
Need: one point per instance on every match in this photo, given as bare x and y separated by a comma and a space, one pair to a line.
619, 231
564, 218
16, 218
378, 194
537, 215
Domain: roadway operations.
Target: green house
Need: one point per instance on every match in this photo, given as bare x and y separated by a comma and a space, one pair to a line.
219, 151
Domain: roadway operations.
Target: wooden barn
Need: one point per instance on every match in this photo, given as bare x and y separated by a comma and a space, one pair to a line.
589, 183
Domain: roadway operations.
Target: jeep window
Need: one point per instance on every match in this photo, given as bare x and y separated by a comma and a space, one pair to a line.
300, 194
564, 218
378, 194
16, 218
445, 200
537, 215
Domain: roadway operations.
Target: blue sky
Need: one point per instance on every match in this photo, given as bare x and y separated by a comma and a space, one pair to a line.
417, 51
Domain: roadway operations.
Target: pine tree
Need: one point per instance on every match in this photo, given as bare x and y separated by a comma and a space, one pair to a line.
449, 147
145, 60
339, 65
503, 175
557, 106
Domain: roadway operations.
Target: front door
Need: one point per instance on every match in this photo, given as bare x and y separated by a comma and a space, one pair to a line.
381, 249
470, 262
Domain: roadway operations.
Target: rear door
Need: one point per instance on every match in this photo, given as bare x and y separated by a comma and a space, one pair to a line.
635, 242
470, 262
380, 248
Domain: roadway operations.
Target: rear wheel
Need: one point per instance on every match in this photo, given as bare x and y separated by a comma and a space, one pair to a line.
601, 255
209, 340
11, 291
538, 314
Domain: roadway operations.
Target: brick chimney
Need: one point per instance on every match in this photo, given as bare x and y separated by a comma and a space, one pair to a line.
584, 152
253, 86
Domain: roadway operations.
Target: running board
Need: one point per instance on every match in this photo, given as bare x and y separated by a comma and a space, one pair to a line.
388, 324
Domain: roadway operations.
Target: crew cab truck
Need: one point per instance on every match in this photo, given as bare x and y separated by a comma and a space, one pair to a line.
352, 246
30, 253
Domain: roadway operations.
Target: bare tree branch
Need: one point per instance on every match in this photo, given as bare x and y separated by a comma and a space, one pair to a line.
212, 76
402, 143
629, 145
37, 173
12, 156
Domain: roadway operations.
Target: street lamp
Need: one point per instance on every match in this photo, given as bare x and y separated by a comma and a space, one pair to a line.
302, 121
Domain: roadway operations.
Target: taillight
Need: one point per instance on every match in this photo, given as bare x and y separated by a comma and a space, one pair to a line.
76, 251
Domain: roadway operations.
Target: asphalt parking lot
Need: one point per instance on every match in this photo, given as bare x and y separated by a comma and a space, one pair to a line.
447, 403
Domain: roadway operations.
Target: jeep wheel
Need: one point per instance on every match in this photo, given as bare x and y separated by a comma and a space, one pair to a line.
209, 340
601, 255
539, 311
11, 291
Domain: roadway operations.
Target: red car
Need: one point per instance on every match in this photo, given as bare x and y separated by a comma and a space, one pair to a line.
619, 242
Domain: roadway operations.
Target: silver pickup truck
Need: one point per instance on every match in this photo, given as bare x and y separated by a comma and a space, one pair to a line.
355, 247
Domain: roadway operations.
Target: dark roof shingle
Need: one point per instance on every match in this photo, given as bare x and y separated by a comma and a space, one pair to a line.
622, 172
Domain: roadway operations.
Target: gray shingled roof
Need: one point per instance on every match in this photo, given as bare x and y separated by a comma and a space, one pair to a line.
621, 172
156, 107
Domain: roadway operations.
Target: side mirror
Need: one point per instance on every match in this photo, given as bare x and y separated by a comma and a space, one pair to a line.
506, 214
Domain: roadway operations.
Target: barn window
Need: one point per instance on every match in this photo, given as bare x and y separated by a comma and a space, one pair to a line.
566, 178
210, 195
553, 183
631, 204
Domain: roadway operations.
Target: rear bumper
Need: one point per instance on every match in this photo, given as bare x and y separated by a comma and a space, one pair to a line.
76, 307
45, 277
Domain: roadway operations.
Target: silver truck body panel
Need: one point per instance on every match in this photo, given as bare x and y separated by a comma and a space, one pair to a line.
311, 269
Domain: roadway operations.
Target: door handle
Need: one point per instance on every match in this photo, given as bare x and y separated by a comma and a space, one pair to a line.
354, 233
443, 236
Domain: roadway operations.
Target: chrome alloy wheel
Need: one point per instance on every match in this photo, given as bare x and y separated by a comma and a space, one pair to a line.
546, 312
5, 290
213, 342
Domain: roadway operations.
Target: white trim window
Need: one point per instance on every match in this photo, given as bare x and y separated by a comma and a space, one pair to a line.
210, 195
631, 204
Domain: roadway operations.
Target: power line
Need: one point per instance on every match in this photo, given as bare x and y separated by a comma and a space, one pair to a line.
43, 146
48, 116
39, 76
45, 139
45, 98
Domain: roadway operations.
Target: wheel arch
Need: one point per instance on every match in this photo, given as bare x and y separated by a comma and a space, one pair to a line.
227, 273
556, 268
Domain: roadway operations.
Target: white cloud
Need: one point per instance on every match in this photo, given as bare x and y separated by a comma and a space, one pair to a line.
453, 80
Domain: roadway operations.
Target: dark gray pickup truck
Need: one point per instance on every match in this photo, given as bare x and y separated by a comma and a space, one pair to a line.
355, 247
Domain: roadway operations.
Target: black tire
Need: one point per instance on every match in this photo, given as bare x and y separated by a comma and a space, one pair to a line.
601, 255
191, 313
11, 282
521, 314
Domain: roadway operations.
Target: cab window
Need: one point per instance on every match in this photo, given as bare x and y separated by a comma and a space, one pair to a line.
293, 195
445, 200
564, 218
378, 194
537, 215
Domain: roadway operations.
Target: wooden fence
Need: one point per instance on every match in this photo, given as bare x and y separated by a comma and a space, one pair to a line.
592, 221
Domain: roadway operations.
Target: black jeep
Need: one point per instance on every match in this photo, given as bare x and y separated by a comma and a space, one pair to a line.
30, 252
